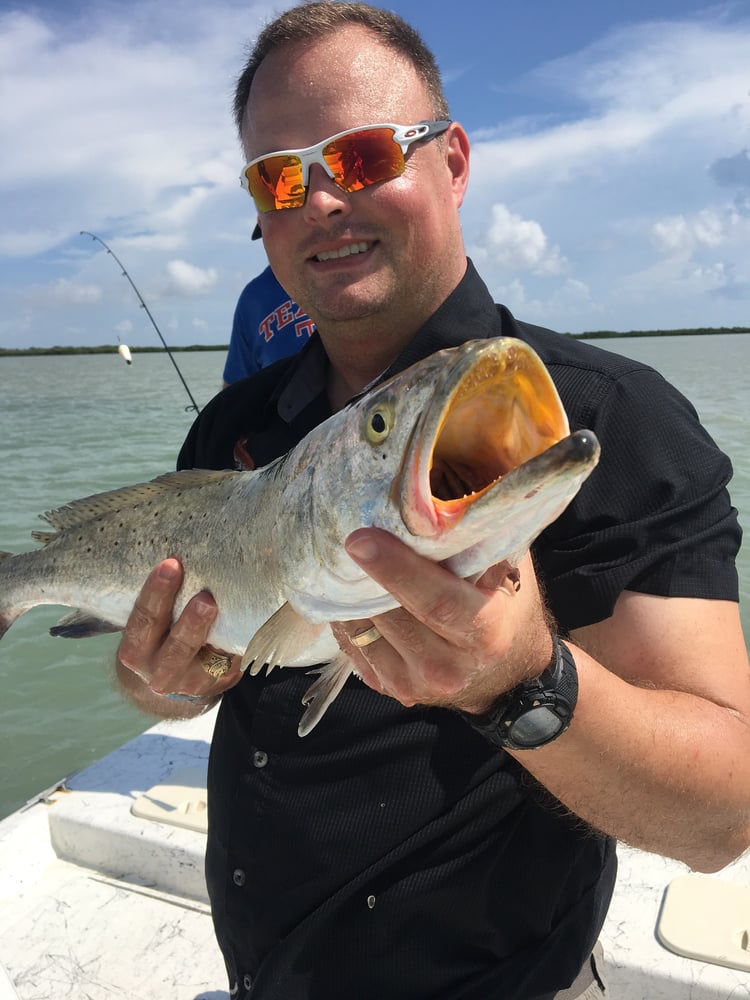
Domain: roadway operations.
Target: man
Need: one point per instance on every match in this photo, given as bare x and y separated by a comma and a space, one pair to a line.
404, 849
267, 326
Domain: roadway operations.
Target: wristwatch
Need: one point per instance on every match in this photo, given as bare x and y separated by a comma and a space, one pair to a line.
535, 712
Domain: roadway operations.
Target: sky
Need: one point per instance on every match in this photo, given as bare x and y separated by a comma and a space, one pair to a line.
610, 163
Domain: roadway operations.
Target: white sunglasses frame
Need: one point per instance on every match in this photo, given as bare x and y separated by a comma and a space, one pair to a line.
403, 136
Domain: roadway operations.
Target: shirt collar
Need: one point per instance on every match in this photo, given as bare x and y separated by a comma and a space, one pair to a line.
468, 313
307, 380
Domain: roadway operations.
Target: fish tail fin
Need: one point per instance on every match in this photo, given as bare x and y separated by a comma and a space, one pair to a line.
8, 616
323, 691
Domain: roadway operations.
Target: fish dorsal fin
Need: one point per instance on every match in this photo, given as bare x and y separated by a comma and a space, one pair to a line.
173, 483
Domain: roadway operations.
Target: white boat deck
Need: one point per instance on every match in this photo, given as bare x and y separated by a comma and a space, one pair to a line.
98, 903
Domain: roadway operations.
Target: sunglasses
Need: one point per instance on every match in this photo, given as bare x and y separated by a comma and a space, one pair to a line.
353, 159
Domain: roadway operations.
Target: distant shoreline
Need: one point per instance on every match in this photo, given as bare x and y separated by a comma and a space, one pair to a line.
23, 352
12, 352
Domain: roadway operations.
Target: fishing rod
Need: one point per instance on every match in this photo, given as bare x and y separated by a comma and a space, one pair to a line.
148, 313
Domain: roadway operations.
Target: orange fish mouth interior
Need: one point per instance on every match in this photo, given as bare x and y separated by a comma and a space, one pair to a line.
497, 419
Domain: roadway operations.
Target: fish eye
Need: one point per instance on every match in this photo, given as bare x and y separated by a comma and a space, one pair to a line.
379, 423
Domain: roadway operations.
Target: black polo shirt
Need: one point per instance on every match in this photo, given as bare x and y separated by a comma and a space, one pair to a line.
392, 853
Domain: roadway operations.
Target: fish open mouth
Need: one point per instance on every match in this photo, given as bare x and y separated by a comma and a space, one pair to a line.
501, 409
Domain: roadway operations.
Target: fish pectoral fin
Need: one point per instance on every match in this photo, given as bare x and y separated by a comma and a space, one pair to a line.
323, 691
82, 625
280, 640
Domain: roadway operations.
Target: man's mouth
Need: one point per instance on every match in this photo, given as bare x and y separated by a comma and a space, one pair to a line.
345, 251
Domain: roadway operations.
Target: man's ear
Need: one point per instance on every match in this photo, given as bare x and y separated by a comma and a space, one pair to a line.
457, 159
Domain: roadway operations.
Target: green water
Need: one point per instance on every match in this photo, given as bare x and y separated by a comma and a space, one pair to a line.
76, 425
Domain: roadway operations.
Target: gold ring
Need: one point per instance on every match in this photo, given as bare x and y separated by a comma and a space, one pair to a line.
216, 665
365, 638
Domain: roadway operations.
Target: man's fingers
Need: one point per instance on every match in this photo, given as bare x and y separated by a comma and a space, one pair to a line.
343, 632
151, 615
166, 654
451, 641
150, 631
435, 596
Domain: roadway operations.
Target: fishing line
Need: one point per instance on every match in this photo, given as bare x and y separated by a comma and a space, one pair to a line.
148, 313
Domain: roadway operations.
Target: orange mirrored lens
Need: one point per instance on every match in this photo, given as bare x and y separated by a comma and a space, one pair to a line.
355, 161
276, 182
364, 158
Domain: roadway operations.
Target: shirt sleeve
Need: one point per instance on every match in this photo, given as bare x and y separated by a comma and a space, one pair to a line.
655, 515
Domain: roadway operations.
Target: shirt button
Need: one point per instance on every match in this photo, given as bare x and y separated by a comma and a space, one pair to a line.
370, 902
247, 981
238, 877
260, 758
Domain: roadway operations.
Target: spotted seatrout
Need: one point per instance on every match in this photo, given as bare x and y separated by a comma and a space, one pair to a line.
466, 456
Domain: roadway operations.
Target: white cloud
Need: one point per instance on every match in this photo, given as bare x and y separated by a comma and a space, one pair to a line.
183, 208
63, 292
517, 244
703, 232
560, 307
678, 234
28, 242
153, 242
187, 279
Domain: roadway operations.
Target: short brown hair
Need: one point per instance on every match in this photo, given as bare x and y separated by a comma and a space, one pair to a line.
316, 18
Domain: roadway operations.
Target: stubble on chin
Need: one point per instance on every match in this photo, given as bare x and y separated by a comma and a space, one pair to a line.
347, 301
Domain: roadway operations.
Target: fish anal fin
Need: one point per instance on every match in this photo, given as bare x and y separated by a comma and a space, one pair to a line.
280, 640
322, 692
82, 625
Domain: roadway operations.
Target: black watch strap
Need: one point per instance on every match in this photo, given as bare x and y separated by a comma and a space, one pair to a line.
535, 712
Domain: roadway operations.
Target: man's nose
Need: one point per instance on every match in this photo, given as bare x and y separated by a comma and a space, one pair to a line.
325, 199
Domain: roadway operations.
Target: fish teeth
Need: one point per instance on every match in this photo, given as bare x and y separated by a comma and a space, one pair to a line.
346, 251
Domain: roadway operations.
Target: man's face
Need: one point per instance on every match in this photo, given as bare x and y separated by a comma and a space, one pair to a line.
391, 249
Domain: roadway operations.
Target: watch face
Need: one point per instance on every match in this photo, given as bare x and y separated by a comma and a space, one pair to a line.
534, 728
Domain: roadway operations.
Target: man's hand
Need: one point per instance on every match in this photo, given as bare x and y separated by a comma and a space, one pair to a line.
656, 753
452, 642
166, 657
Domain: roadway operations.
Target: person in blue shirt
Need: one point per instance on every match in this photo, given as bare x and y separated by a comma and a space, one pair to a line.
268, 325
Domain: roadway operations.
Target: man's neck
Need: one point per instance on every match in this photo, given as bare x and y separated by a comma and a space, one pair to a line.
350, 371
359, 350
